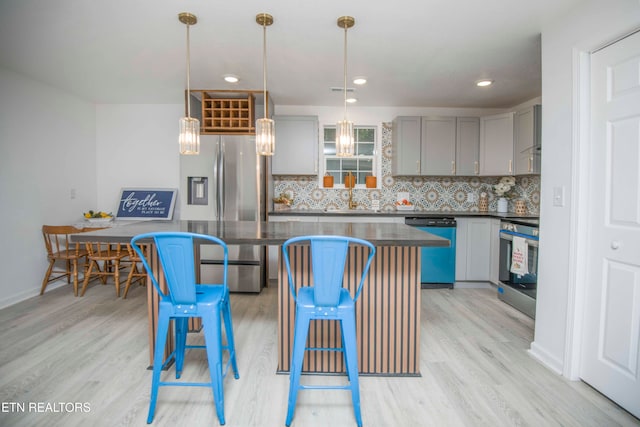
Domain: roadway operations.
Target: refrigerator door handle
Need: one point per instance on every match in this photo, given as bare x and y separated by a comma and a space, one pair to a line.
220, 179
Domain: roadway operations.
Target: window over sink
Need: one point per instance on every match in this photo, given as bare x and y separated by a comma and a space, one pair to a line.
363, 163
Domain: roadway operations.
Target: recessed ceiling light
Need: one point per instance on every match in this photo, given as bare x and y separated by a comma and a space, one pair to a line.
351, 100
483, 83
359, 80
230, 78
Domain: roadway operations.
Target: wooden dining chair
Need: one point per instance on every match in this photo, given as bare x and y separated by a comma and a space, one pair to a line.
136, 274
61, 250
104, 262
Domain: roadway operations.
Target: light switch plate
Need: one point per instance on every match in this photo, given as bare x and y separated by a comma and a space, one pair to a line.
558, 196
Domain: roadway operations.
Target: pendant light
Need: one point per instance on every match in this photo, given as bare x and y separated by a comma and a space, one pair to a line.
344, 128
265, 127
189, 138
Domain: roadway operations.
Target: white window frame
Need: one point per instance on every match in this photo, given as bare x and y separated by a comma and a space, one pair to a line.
375, 158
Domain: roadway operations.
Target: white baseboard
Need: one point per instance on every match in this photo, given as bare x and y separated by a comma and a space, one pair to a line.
30, 293
546, 358
472, 285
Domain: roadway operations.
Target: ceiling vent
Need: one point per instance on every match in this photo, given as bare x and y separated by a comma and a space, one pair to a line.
341, 89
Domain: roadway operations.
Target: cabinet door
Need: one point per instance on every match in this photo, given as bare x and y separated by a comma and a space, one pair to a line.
405, 137
467, 146
296, 146
438, 149
527, 141
494, 247
496, 145
473, 255
478, 249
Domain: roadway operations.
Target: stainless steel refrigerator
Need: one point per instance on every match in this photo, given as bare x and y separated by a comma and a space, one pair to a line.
227, 181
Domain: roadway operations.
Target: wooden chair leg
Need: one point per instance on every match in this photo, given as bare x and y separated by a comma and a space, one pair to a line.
116, 276
45, 281
75, 277
86, 278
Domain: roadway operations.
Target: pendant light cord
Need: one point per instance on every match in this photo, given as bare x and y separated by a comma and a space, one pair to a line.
264, 65
188, 74
345, 72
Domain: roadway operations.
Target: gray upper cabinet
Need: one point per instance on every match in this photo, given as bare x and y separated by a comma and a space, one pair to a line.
527, 148
405, 145
496, 145
296, 150
467, 146
438, 149
436, 146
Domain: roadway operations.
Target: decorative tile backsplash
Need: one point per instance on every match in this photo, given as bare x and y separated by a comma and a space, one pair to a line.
427, 193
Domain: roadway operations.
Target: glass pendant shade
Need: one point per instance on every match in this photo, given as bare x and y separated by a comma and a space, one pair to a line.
344, 139
265, 137
265, 127
189, 138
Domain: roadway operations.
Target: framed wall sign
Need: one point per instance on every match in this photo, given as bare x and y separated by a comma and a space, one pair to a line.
147, 203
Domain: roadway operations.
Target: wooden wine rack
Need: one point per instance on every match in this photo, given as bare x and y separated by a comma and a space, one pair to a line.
227, 112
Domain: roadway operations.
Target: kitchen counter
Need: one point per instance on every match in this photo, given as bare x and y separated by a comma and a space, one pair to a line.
416, 213
387, 313
267, 233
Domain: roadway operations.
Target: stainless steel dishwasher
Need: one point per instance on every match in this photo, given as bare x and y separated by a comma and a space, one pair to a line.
438, 265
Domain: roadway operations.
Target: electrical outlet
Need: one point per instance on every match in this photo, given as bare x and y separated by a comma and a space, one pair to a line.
471, 197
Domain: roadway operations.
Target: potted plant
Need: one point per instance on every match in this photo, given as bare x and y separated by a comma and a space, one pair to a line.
502, 189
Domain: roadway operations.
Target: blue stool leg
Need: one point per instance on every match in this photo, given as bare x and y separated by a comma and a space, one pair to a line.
349, 341
228, 327
161, 339
213, 341
297, 360
181, 325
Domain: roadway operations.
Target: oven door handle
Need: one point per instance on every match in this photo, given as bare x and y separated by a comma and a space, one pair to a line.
508, 235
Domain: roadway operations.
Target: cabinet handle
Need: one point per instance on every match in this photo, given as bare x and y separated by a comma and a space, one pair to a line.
453, 168
510, 166
418, 166
475, 167
530, 168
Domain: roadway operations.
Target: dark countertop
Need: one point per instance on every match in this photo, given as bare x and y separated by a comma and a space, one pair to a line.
267, 233
426, 214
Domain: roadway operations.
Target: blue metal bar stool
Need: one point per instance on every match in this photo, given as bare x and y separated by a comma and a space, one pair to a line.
187, 299
326, 299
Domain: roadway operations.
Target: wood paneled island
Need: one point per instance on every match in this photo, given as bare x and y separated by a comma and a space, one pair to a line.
387, 313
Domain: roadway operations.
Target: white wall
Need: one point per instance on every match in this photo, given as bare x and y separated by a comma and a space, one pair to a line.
590, 26
137, 146
47, 148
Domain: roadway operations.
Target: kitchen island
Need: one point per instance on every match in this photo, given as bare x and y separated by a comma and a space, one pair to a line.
387, 313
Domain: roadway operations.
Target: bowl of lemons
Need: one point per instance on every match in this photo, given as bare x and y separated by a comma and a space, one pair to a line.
98, 217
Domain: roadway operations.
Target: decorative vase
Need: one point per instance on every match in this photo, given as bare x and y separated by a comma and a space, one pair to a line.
520, 207
483, 203
503, 205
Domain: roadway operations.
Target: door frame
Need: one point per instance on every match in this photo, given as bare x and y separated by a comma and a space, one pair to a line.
581, 146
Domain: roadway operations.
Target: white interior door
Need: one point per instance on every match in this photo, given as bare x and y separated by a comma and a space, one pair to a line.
611, 342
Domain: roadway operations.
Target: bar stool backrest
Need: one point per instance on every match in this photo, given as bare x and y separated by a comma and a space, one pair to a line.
328, 259
177, 257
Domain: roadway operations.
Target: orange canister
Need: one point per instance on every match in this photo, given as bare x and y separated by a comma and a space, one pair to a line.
370, 181
349, 181
327, 181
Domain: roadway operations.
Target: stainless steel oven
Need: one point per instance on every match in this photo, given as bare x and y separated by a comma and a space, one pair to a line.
518, 283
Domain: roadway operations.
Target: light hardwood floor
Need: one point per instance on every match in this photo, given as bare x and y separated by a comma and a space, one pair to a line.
57, 349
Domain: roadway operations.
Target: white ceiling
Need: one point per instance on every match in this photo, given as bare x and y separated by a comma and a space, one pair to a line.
422, 53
